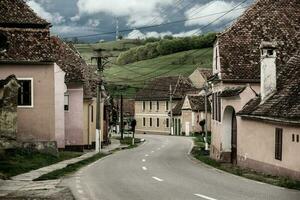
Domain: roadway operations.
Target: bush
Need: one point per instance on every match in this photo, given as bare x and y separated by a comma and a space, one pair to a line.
166, 46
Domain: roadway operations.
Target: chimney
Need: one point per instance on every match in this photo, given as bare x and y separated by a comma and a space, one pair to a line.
268, 69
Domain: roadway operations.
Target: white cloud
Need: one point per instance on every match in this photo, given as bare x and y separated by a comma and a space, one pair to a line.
93, 22
137, 34
188, 33
67, 30
140, 12
219, 6
75, 18
54, 18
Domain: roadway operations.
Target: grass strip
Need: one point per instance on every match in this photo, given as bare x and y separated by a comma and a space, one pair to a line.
20, 161
280, 181
70, 168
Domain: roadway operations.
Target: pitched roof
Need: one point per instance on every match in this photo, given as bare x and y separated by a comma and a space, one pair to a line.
26, 45
159, 88
16, 13
177, 110
69, 61
206, 73
266, 20
232, 91
198, 103
284, 105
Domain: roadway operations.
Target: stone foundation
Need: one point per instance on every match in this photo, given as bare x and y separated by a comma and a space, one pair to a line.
41, 147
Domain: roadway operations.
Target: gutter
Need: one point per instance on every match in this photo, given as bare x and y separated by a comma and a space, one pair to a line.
270, 119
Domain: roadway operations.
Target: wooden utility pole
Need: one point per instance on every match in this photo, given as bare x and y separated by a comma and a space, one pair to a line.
122, 119
171, 111
206, 122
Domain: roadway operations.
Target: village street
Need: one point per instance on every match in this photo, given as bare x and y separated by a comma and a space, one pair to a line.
162, 169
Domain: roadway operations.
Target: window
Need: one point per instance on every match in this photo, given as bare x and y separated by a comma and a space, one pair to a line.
167, 123
293, 138
157, 122
151, 122
298, 138
150, 105
25, 96
213, 106
157, 105
67, 102
278, 144
144, 121
144, 105
167, 105
3, 43
92, 113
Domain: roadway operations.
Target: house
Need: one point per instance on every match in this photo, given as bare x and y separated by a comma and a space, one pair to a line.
25, 51
200, 76
152, 103
248, 60
190, 112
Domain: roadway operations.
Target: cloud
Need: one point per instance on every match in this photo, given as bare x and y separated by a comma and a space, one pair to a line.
220, 6
75, 18
139, 12
137, 34
54, 18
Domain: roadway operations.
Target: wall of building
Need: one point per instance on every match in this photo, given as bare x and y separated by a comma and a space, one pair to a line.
35, 123
197, 79
221, 138
191, 119
59, 80
89, 117
255, 137
161, 114
74, 117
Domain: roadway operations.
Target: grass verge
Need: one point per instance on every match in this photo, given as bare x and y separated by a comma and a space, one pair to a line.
20, 161
203, 156
128, 141
70, 168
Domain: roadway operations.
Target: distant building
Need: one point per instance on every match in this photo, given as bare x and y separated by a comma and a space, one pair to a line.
152, 103
249, 59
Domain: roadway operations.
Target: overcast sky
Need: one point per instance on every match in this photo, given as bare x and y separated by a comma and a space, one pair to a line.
72, 18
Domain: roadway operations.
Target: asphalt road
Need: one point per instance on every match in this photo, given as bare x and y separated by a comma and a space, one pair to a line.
161, 169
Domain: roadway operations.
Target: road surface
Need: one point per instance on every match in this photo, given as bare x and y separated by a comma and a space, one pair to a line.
161, 169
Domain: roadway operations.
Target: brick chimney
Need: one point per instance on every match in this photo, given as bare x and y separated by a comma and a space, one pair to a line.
268, 69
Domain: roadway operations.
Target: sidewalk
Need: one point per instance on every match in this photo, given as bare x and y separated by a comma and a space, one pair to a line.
23, 184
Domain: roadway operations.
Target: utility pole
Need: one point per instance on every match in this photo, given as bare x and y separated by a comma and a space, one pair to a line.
100, 67
122, 119
117, 28
171, 111
206, 122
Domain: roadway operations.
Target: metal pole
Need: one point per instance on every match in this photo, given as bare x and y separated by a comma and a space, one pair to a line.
98, 144
206, 122
171, 112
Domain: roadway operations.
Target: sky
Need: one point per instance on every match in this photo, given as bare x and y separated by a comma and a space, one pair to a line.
88, 20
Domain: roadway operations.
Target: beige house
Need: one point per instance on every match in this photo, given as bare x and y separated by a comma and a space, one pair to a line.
189, 113
248, 60
152, 103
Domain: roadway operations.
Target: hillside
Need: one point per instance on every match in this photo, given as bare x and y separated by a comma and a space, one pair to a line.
111, 48
127, 79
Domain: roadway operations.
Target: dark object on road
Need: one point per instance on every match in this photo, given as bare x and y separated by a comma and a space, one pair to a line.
145, 133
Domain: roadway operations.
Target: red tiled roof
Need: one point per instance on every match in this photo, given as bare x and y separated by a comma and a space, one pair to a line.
266, 20
16, 13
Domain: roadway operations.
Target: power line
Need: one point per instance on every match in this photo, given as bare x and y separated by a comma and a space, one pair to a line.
147, 27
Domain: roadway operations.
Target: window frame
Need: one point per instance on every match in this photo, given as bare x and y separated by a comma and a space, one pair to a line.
67, 95
150, 122
167, 123
32, 93
167, 105
157, 122
92, 113
157, 105
150, 105
144, 105
144, 122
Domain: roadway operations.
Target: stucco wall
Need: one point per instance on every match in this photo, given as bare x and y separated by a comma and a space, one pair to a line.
255, 137
89, 132
74, 117
36, 123
162, 114
221, 138
59, 77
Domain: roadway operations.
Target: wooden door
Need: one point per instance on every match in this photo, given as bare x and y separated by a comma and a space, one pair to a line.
234, 139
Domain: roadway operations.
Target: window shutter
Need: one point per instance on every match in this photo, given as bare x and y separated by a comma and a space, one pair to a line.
278, 144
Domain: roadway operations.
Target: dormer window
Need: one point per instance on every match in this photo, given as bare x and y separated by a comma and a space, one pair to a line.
270, 52
3, 43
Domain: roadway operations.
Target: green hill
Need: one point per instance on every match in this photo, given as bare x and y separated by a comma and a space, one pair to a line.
111, 48
127, 79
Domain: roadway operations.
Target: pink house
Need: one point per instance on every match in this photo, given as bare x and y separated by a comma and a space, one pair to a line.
25, 51
249, 60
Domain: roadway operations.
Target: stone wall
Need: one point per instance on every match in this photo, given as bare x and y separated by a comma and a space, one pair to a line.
8, 112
